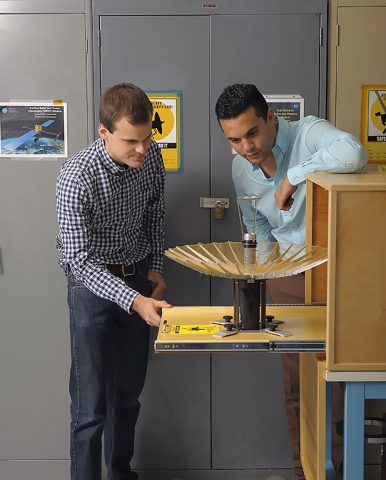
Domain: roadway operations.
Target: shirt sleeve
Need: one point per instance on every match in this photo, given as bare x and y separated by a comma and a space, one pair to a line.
329, 150
73, 211
154, 217
263, 227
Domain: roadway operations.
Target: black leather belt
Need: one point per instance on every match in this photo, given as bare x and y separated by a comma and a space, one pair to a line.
121, 270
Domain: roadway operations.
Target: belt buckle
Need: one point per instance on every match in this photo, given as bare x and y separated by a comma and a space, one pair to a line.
124, 274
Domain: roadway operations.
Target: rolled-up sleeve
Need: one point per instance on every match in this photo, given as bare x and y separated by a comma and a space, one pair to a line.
330, 150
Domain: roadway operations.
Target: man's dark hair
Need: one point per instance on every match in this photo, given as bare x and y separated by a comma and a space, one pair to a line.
124, 100
237, 98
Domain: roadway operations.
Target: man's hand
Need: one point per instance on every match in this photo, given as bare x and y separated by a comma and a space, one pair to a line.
149, 308
283, 194
160, 285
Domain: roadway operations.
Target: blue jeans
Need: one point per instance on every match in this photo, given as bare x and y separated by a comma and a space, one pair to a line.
109, 350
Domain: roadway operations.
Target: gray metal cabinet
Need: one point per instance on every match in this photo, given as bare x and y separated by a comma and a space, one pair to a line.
40, 60
200, 411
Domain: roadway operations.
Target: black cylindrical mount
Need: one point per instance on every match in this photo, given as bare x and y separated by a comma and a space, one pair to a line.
252, 298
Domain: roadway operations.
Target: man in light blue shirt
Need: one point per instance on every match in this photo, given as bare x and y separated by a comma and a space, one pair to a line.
274, 158
272, 162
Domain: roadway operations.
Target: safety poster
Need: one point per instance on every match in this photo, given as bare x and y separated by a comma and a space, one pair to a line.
166, 127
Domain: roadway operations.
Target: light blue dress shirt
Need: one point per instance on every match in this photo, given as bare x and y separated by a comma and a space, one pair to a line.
308, 145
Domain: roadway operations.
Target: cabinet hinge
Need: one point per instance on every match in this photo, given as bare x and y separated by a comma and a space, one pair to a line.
1, 264
321, 36
337, 35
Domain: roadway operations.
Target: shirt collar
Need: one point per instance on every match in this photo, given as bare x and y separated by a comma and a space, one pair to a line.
281, 142
107, 161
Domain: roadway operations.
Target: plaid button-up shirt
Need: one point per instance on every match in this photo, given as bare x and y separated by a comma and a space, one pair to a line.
110, 214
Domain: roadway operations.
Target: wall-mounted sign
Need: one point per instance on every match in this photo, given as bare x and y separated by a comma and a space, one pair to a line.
167, 127
290, 107
373, 122
33, 129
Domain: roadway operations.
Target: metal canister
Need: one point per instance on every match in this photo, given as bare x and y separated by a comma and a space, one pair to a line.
249, 244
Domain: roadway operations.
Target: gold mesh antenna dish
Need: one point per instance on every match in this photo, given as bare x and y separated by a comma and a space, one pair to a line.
249, 264
269, 260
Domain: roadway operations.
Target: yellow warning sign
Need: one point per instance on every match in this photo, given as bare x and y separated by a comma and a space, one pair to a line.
373, 121
195, 329
166, 127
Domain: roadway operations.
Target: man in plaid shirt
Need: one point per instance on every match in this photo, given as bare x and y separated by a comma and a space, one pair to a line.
110, 207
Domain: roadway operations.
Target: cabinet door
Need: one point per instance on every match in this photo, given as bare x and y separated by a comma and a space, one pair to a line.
41, 60
279, 54
166, 53
360, 60
163, 53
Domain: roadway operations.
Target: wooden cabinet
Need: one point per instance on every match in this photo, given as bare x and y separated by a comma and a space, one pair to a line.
313, 415
348, 212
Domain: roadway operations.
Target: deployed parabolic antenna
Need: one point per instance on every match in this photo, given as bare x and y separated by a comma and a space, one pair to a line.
261, 261
249, 264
